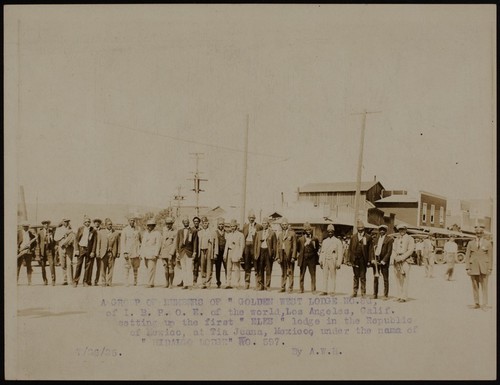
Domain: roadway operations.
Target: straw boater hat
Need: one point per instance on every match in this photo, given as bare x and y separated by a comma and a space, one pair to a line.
330, 228
151, 222
45, 221
169, 220
220, 221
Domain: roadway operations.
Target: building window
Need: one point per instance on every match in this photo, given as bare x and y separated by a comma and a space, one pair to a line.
424, 212
433, 212
441, 215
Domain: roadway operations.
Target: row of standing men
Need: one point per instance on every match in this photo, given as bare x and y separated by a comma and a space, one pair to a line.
198, 249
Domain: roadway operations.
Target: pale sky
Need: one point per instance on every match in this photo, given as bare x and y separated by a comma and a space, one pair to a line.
113, 99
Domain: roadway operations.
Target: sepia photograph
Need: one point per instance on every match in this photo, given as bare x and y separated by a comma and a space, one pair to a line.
250, 192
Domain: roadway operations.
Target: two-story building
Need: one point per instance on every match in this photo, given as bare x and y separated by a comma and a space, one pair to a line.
422, 209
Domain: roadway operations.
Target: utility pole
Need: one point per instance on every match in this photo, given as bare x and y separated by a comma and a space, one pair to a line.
360, 166
245, 166
178, 198
197, 180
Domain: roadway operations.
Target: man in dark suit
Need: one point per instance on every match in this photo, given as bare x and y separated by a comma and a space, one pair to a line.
479, 265
26, 245
85, 243
358, 258
286, 254
97, 226
197, 258
380, 256
46, 251
264, 252
250, 230
107, 249
308, 258
186, 246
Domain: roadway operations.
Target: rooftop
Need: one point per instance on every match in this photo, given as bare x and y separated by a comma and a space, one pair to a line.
336, 187
398, 199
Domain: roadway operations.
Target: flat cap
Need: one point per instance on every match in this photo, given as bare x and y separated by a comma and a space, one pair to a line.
401, 226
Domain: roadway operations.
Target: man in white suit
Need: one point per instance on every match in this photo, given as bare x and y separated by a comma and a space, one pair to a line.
402, 251
235, 245
479, 265
150, 250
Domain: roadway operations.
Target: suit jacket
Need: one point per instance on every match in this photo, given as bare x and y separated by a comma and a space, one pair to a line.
107, 241
45, 241
191, 243
479, 257
288, 245
130, 241
402, 248
385, 250
168, 243
246, 228
365, 245
151, 244
92, 241
235, 244
301, 244
270, 240
216, 246
32, 236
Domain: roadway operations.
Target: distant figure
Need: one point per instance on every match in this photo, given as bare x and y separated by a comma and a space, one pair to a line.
358, 258
330, 259
167, 252
402, 250
220, 244
250, 230
381, 249
428, 256
26, 246
150, 250
419, 246
46, 251
287, 254
479, 265
107, 250
450, 254
308, 258
65, 238
130, 244
233, 252
85, 242
264, 254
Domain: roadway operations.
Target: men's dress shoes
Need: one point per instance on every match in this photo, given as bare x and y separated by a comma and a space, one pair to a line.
477, 306
354, 295
65, 284
229, 287
323, 293
282, 290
